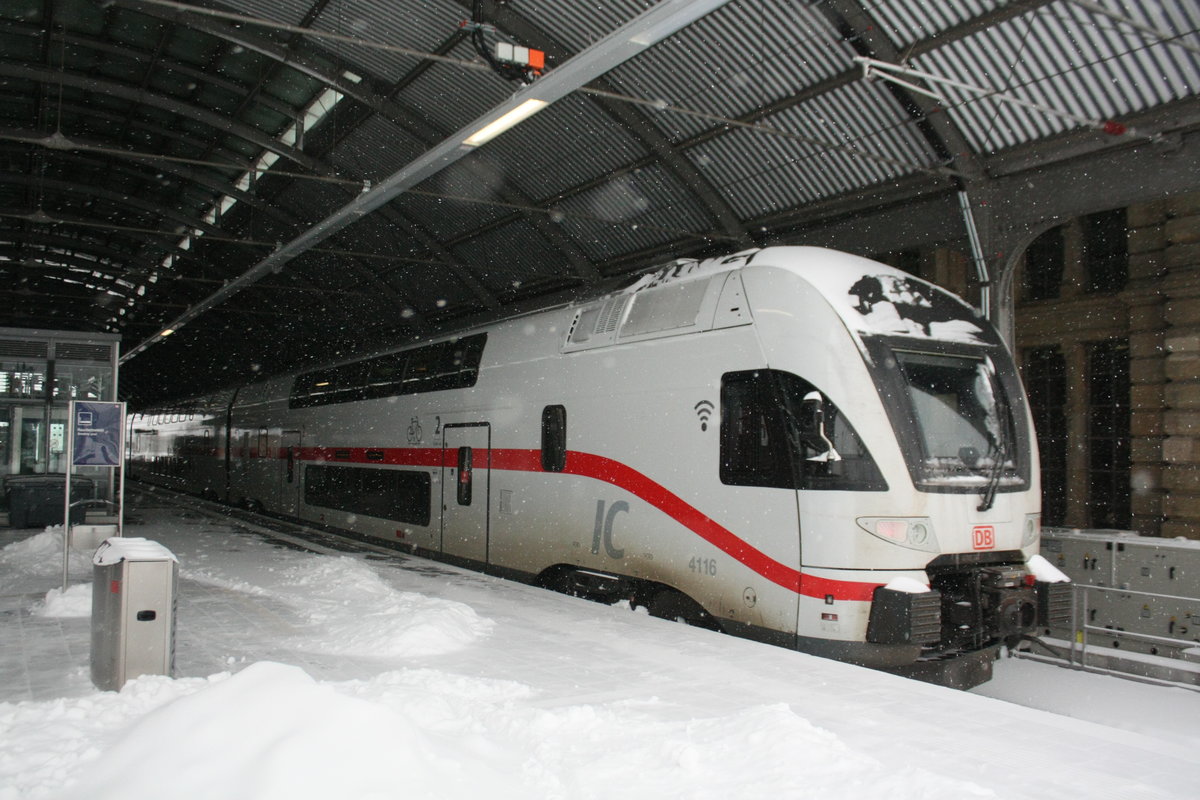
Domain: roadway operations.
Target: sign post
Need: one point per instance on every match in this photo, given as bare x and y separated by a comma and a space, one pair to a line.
95, 438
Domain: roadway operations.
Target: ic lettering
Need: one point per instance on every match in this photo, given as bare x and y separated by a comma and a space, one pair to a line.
603, 532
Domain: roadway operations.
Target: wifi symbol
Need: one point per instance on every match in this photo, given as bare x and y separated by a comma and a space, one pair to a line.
704, 410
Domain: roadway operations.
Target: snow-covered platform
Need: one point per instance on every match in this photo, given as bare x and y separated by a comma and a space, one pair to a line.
309, 676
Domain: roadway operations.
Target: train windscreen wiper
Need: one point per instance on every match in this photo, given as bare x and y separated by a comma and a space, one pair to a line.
987, 497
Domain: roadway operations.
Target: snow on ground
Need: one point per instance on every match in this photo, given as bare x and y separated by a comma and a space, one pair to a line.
302, 676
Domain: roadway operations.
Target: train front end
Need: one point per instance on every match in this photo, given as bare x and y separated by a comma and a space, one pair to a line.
931, 567
961, 422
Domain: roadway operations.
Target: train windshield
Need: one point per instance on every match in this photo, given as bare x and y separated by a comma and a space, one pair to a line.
954, 414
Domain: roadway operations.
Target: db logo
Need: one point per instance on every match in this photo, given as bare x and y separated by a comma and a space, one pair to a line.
983, 537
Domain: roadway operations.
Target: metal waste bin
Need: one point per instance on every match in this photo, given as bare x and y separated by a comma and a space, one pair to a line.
133, 611
35, 501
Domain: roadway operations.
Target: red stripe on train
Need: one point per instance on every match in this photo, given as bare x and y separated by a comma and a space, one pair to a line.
607, 470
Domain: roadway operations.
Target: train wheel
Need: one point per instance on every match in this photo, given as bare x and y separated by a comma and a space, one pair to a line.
559, 580
678, 607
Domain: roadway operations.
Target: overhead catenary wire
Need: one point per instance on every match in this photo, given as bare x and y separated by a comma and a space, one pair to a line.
58, 142
1149, 30
480, 46
186, 8
477, 26
757, 127
891, 72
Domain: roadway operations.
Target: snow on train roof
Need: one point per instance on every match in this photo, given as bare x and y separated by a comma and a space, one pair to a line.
873, 298
687, 269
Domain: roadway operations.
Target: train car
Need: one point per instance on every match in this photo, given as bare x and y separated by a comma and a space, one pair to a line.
790, 444
182, 446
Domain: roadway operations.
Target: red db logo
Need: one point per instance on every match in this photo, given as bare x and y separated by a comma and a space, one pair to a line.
983, 537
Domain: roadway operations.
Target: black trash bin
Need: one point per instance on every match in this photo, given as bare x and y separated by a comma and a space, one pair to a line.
35, 501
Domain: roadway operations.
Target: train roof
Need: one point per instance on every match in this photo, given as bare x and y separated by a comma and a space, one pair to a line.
876, 299
871, 298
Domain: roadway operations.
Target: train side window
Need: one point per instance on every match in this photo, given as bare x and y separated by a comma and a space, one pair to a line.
465, 476
424, 368
767, 437
400, 495
751, 435
385, 375
554, 438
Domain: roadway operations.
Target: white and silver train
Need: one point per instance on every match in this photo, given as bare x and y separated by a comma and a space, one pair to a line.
791, 444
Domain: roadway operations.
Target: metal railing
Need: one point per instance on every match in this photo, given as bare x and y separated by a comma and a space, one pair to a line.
1081, 627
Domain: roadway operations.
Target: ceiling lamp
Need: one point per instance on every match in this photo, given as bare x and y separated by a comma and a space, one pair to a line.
500, 125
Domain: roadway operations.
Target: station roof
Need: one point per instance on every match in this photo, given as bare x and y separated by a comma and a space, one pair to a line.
284, 182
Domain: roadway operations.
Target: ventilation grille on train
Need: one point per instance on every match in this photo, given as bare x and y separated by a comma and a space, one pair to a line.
598, 321
610, 314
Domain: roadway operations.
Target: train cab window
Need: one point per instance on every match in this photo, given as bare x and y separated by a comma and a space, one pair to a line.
779, 430
554, 438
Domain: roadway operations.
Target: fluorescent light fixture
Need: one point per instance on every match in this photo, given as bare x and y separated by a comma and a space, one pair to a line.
167, 332
499, 126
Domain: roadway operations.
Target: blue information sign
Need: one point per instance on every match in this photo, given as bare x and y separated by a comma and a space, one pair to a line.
97, 429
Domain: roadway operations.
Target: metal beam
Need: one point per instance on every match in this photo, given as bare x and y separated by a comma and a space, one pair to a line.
85, 189
212, 119
943, 137
375, 100
629, 40
632, 118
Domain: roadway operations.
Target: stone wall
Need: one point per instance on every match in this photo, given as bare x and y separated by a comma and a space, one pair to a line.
1158, 312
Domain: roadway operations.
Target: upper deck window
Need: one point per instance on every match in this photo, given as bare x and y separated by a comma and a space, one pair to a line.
430, 368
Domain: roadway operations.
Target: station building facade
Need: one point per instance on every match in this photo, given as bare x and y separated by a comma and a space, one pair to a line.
41, 372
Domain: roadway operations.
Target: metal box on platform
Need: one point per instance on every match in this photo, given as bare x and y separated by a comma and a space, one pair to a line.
133, 611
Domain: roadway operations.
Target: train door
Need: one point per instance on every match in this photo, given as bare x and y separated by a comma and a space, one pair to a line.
466, 479
289, 472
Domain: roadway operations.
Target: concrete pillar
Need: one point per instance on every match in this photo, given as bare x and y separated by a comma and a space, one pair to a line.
1147, 373
1075, 354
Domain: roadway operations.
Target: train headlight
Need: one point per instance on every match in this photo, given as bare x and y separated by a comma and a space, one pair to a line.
1033, 529
914, 532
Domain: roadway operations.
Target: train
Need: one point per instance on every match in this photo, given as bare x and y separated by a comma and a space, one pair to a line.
790, 444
